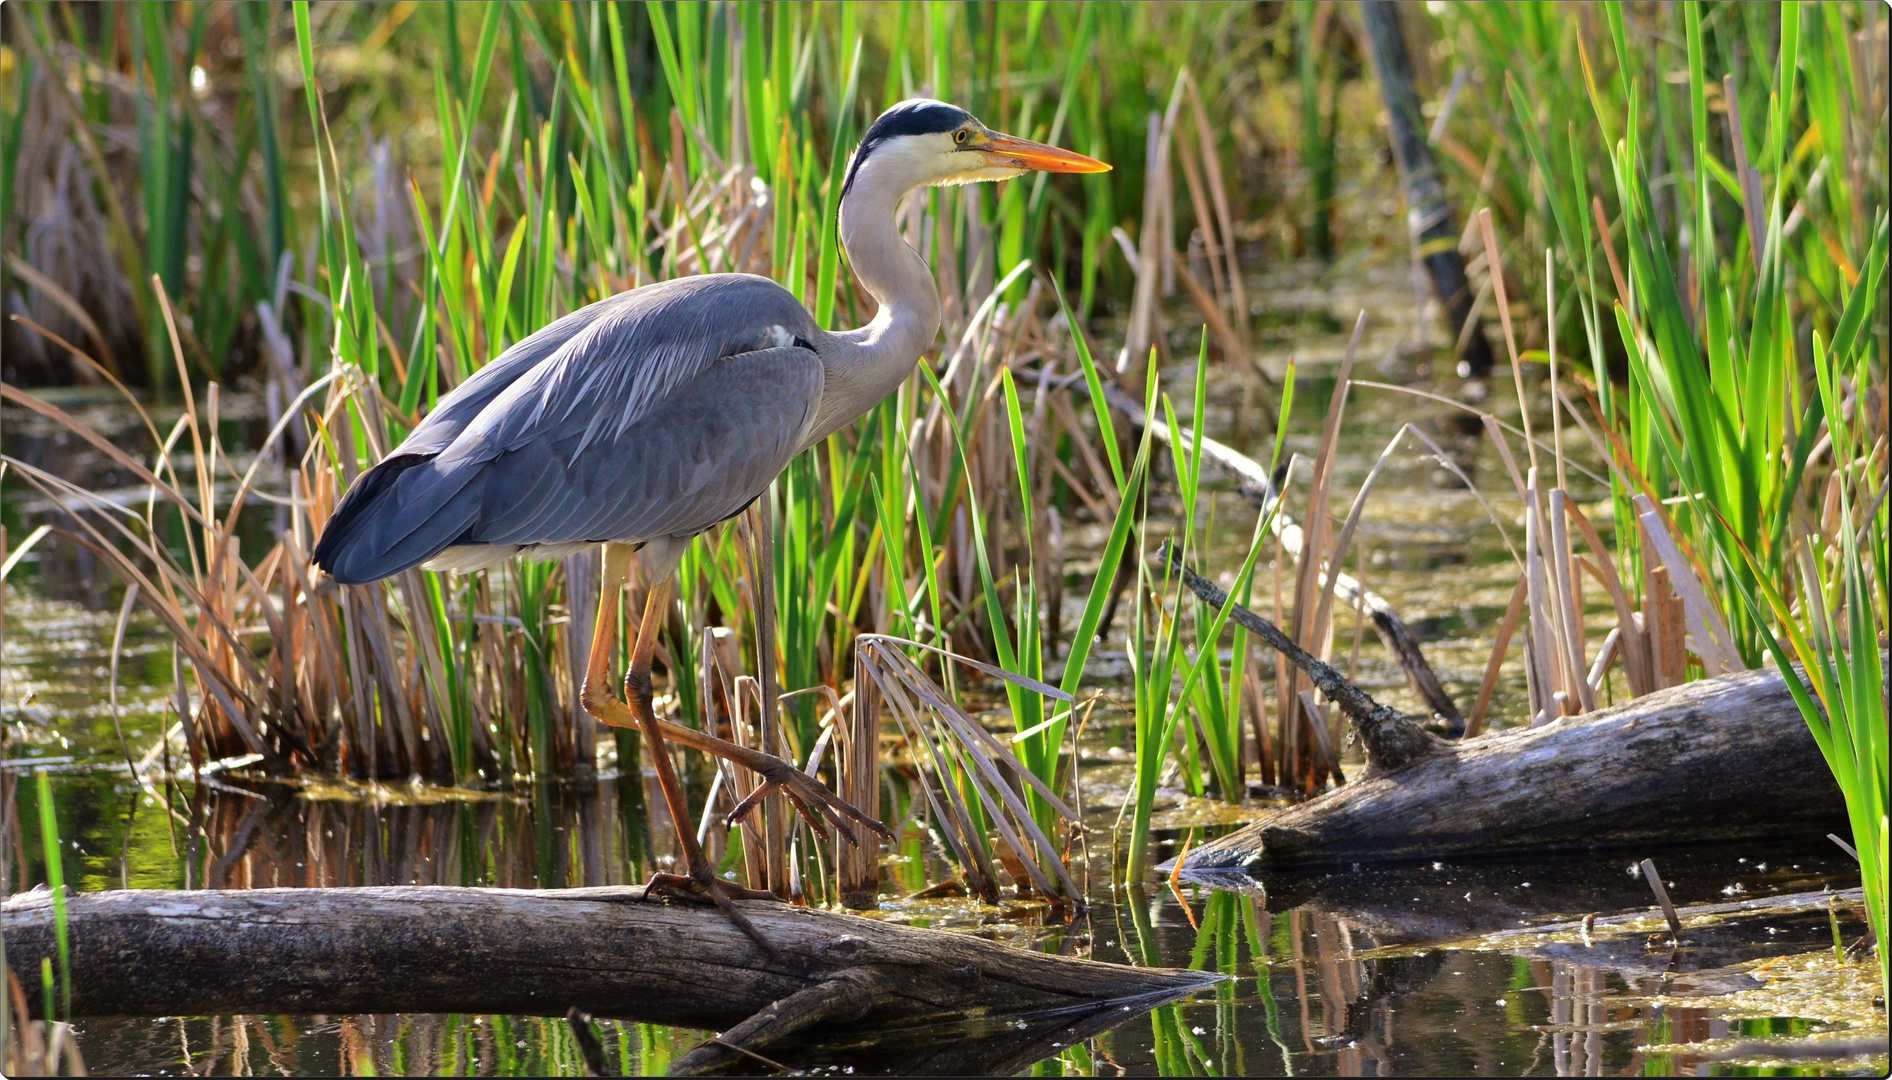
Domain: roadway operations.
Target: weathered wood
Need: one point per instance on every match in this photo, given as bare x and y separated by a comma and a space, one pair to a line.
1722, 758
606, 951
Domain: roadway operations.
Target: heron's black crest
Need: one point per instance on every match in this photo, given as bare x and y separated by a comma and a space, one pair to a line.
915, 116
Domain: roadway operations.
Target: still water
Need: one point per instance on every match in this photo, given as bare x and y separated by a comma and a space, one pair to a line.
1331, 973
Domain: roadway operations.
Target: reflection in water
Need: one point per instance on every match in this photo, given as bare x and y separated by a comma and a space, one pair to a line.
1328, 971
248, 835
418, 1045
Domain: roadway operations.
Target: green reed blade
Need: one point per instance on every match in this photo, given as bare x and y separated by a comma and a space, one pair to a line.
54, 853
829, 263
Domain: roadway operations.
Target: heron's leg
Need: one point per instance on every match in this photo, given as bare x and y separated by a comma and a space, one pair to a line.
778, 774
637, 684
806, 793
597, 696
701, 881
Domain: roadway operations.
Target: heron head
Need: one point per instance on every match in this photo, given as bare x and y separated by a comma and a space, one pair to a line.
922, 142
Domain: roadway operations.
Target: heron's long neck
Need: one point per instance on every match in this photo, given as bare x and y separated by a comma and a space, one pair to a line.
865, 365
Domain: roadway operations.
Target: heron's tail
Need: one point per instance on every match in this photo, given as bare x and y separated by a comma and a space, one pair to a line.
391, 519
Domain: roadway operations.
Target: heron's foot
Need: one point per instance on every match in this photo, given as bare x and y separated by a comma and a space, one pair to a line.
808, 795
703, 887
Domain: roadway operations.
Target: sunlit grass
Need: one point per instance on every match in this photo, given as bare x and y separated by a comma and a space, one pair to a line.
560, 154
1749, 303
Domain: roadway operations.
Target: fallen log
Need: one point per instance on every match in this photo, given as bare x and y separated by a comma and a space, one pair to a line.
606, 951
1717, 759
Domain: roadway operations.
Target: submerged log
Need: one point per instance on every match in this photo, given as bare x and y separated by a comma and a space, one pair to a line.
435, 949
1428, 902
1718, 759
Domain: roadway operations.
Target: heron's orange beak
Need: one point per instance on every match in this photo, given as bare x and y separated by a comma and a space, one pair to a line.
1009, 150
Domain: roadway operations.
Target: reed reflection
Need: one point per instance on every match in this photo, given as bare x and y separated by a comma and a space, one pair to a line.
545, 836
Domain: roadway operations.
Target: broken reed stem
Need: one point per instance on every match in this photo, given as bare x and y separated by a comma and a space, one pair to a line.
1392, 738
1661, 891
768, 718
1259, 489
858, 867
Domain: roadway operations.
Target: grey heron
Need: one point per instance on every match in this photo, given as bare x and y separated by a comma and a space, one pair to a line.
651, 416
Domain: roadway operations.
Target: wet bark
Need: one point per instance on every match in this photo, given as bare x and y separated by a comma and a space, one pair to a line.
1718, 759
607, 951
1435, 229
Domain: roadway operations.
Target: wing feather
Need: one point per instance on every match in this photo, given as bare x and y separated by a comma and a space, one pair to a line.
716, 443
651, 413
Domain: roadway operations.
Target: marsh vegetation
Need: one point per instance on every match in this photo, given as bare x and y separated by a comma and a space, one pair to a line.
248, 246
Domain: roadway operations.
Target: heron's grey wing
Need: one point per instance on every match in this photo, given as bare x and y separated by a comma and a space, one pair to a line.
603, 374
712, 446
644, 340
456, 409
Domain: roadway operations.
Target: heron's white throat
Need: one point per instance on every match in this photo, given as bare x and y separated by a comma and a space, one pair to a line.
867, 364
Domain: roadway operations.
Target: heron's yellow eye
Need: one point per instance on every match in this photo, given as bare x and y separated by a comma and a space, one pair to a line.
960, 135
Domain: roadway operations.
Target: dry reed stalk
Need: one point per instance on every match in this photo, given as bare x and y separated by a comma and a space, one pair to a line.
990, 769
1153, 262
1227, 340
1323, 614
1103, 505
1214, 301
1606, 656
581, 573
1663, 623
1633, 645
858, 867
1317, 723
1569, 604
1555, 666
760, 526
1292, 773
1316, 574
1711, 640
1258, 716
949, 810
745, 693
1506, 627
1225, 223
223, 665
1542, 660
